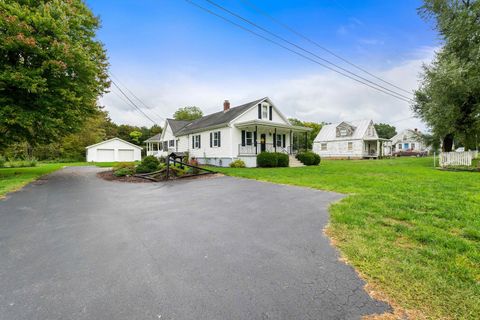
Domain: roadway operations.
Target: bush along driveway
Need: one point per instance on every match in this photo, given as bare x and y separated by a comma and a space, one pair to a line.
413, 231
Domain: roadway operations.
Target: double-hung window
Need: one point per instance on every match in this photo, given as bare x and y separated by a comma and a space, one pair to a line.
350, 146
249, 138
264, 112
215, 139
196, 143
171, 143
323, 146
279, 140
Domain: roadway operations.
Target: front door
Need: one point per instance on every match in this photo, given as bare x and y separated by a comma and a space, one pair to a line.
263, 137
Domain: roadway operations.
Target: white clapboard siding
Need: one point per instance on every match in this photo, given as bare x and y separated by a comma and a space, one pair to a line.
457, 158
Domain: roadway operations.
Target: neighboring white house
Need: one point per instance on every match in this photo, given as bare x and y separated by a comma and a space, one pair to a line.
408, 140
234, 133
350, 140
114, 150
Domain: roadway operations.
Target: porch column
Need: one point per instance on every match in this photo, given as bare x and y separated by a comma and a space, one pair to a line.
275, 140
290, 142
378, 148
158, 147
256, 138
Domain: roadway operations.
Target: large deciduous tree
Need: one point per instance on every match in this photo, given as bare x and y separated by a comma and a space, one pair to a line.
188, 113
311, 135
52, 69
448, 99
385, 130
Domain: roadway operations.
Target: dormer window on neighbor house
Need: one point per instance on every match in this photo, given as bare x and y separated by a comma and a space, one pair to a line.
344, 130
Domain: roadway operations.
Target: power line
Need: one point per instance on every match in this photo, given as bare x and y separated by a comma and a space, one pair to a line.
293, 51
301, 48
133, 103
289, 28
412, 117
138, 99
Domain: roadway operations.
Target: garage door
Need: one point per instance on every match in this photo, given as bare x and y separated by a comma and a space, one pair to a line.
125, 154
105, 155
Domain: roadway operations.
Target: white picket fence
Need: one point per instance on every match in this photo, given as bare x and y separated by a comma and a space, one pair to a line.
457, 158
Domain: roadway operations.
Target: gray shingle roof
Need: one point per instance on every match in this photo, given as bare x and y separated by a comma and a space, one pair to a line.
177, 125
155, 138
217, 118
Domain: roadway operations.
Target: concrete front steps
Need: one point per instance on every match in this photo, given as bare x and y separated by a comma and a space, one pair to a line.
294, 162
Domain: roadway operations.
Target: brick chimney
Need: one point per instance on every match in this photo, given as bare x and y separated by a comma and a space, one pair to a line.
416, 130
226, 106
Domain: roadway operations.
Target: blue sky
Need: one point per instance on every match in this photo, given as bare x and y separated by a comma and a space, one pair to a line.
171, 54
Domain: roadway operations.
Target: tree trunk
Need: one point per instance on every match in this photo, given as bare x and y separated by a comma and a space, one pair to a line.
447, 143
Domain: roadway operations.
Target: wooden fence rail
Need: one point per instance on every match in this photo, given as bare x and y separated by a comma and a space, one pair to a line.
457, 158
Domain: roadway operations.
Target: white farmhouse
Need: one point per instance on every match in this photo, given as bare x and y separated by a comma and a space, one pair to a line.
113, 150
409, 140
235, 133
350, 140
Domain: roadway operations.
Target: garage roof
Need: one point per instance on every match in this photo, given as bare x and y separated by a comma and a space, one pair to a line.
97, 144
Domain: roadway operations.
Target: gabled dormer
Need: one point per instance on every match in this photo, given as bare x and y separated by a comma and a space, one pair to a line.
344, 130
371, 132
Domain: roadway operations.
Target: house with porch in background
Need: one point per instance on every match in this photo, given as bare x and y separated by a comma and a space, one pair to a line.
233, 133
409, 140
350, 140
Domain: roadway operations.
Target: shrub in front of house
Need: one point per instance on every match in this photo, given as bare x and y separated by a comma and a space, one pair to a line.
148, 164
272, 159
237, 164
309, 158
282, 160
267, 160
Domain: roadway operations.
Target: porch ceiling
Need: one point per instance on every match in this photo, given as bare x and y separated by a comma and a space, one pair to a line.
267, 124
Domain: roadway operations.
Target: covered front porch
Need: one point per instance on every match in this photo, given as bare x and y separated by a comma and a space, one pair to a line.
261, 136
157, 148
376, 148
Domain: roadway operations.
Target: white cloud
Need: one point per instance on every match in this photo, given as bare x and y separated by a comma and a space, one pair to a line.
319, 96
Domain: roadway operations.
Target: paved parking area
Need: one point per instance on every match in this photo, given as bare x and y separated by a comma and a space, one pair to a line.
73, 246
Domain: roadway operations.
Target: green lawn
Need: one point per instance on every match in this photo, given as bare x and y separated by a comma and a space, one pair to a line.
412, 231
12, 179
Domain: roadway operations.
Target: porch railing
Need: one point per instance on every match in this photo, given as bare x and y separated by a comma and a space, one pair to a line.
267, 147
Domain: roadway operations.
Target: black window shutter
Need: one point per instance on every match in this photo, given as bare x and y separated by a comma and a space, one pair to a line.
270, 113
211, 139
243, 138
283, 140
193, 142
219, 144
259, 111
255, 138
274, 139
199, 141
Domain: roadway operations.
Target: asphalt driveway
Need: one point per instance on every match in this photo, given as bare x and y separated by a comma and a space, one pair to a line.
73, 246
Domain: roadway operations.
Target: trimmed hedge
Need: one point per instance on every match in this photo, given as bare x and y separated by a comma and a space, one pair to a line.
272, 159
309, 158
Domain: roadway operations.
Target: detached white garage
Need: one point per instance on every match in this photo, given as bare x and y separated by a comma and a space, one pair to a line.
114, 150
